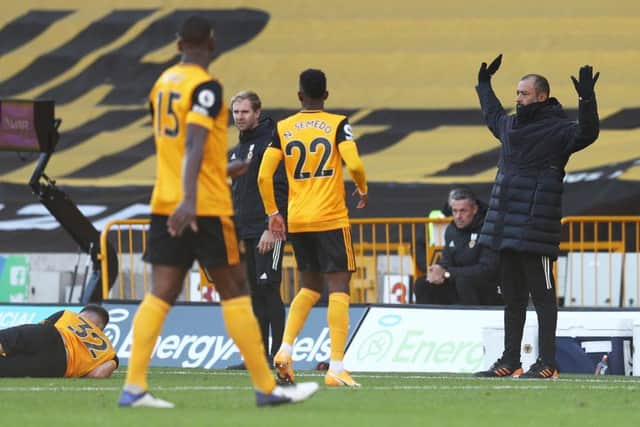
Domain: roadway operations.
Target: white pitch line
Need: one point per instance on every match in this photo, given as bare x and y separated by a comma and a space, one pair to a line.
424, 377
546, 386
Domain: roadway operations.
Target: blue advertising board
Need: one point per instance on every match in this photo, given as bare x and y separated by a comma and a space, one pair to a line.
19, 314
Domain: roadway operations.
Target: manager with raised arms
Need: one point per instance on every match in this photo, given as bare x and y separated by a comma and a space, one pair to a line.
525, 209
313, 144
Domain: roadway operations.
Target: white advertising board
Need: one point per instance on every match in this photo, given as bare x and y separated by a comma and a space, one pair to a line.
419, 339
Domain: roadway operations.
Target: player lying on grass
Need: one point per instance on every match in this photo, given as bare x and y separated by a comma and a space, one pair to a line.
65, 344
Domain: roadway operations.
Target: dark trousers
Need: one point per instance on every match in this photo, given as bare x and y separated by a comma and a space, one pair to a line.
264, 275
32, 351
427, 293
473, 292
522, 274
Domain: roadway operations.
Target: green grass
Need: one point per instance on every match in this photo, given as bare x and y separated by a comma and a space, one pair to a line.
225, 398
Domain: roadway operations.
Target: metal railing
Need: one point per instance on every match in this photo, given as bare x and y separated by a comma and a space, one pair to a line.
599, 263
385, 250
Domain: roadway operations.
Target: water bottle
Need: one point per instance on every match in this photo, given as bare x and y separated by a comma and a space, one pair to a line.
602, 366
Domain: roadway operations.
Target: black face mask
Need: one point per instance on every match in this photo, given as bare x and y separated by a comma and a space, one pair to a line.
525, 113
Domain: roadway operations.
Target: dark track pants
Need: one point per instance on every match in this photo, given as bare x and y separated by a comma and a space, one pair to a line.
264, 273
522, 274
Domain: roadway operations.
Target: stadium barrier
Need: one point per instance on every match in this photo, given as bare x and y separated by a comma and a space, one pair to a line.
599, 262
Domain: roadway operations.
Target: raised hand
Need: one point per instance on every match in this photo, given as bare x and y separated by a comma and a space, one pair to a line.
485, 73
587, 81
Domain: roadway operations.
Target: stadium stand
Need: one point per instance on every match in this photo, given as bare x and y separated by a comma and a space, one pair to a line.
403, 73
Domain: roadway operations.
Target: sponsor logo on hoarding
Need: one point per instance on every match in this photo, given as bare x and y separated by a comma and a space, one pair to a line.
12, 318
14, 315
192, 338
402, 341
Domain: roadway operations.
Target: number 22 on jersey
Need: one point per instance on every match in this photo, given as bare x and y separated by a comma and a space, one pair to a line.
319, 147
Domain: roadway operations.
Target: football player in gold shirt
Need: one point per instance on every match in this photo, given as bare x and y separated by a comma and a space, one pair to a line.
313, 144
65, 344
191, 218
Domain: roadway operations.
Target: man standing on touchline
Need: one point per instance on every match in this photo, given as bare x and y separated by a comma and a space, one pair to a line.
525, 209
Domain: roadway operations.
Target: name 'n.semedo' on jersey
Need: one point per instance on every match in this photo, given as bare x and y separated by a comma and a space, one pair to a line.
310, 144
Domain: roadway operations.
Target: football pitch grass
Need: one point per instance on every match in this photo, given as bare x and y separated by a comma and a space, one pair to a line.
226, 398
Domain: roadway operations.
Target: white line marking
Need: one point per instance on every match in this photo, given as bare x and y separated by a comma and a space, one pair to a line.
549, 386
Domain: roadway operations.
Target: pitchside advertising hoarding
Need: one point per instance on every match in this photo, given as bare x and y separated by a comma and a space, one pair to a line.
193, 336
415, 339
386, 338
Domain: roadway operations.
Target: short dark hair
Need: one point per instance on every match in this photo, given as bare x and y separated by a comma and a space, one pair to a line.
539, 82
313, 83
462, 193
253, 98
99, 310
195, 29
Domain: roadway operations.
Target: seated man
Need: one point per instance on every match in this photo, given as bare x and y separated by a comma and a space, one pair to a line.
65, 344
467, 273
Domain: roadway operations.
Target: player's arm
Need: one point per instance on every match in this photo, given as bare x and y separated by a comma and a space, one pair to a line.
206, 103
268, 166
104, 370
185, 213
349, 153
237, 167
270, 161
51, 320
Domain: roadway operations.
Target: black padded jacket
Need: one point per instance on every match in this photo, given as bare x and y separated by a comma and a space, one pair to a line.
525, 207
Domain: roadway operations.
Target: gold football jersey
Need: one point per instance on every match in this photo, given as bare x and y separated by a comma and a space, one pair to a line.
186, 94
87, 346
309, 143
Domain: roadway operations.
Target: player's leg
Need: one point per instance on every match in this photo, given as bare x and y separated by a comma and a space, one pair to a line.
243, 328
218, 253
541, 284
312, 283
241, 323
171, 259
257, 289
32, 351
337, 261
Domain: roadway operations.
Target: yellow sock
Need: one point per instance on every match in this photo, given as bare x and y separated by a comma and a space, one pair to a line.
298, 312
147, 325
338, 320
243, 328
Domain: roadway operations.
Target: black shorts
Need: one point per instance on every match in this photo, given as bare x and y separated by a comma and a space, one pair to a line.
263, 268
214, 245
324, 251
32, 351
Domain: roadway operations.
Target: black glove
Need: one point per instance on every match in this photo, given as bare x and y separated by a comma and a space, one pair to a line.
485, 73
584, 87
